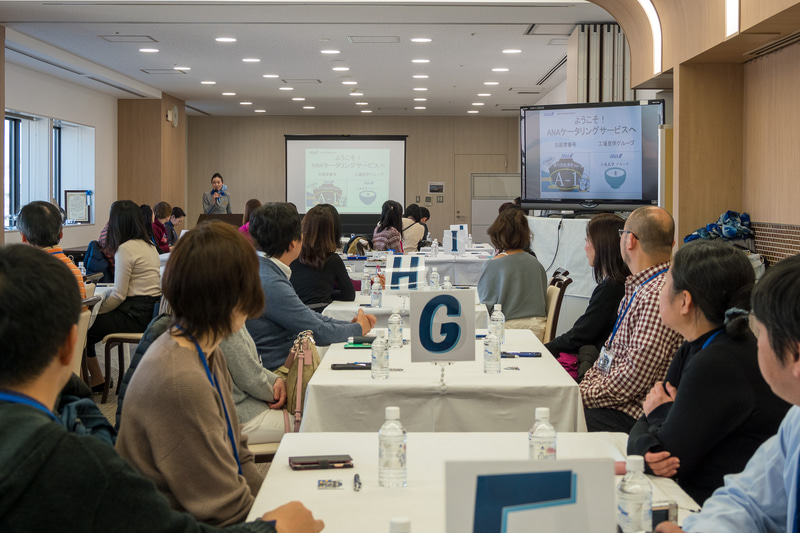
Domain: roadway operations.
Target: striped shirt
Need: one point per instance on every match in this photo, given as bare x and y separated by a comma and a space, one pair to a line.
643, 348
58, 253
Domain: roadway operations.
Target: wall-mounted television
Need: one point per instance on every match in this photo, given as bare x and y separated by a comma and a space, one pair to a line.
602, 156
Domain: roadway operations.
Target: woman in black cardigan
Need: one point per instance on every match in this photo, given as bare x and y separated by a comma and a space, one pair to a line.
713, 409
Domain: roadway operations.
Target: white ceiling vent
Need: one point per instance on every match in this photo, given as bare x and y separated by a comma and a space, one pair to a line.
298, 81
526, 90
564, 30
128, 38
373, 39
162, 71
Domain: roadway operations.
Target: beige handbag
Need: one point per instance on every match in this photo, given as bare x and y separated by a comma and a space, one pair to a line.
300, 365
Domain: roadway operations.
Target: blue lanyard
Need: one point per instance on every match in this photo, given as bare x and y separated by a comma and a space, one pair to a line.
711, 338
215, 384
15, 397
625, 312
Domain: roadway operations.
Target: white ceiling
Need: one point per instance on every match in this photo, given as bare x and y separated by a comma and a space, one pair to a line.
468, 40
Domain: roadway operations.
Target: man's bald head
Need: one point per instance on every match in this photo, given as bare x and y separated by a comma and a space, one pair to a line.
655, 230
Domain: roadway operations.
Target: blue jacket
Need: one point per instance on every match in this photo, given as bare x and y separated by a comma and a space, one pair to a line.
285, 316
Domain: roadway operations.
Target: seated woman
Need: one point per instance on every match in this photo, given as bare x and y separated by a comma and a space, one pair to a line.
249, 207
130, 305
714, 408
180, 427
413, 230
610, 271
161, 214
515, 279
388, 234
318, 274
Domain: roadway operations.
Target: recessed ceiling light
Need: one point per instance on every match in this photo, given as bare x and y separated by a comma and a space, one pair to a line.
225, 39
420, 88
484, 94
421, 40
420, 99
512, 51
357, 93
148, 50
299, 99
349, 83
270, 76
477, 103
208, 83
491, 83
329, 51
420, 107
309, 107
499, 70
366, 110
420, 76
228, 94
261, 110
246, 103
182, 68
341, 69
286, 88
420, 60
362, 103
472, 111
251, 60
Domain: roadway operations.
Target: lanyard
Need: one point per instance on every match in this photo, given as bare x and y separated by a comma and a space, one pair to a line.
625, 312
711, 338
15, 397
215, 384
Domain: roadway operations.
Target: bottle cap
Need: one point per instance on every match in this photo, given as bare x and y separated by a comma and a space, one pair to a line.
435, 269
542, 413
392, 413
395, 310
447, 278
498, 307
400, 525
634, 463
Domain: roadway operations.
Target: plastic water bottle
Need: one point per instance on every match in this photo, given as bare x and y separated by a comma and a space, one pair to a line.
392, 469
469, 241
635, 498
447, 286
380, 357
435, 248
365, 283
491, 353
395, 329
499, 322
400, 525
82, 268
542, 442
434, 279
377, 293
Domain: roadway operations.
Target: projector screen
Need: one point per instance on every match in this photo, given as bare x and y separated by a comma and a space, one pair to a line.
354, 173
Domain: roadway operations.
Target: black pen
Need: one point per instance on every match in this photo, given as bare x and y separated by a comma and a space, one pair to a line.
356, 483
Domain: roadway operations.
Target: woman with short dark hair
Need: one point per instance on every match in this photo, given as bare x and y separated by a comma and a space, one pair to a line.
318, 274
388, 234
714, 408
161, 213
129, 306
515, 279
413, 230
180, 427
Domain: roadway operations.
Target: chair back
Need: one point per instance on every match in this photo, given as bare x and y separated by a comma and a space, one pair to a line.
555, 296
83, 328
560, 272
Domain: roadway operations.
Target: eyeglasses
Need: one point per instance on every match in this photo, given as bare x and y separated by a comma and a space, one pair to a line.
624, 231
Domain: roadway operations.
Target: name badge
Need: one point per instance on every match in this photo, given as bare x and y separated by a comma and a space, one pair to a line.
605, 360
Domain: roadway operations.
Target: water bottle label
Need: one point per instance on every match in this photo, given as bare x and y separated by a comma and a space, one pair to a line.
543, 451
634, 514
605, 360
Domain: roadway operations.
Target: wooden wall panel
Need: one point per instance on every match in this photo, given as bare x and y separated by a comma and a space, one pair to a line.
514, 149
250, 153
708, 144
771, 134
139, 150
753, 12
634, 23
173, 153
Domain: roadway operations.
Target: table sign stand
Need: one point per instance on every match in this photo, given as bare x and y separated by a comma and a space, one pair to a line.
442, 365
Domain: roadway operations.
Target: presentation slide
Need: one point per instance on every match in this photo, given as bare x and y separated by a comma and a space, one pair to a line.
355, 175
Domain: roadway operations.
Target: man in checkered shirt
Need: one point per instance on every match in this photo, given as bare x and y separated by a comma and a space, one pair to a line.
640, 347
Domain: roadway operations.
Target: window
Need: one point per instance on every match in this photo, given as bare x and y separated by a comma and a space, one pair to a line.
44, 158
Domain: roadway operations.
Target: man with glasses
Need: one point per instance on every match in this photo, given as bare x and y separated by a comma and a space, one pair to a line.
640, 347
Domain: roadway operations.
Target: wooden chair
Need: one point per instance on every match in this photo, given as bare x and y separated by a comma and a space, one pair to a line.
555, 296
559, 272
118, 340
83, 327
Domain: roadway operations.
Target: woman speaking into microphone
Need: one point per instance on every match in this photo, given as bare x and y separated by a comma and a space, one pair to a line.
217, 201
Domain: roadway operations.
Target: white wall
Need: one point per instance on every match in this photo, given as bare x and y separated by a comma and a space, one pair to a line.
40, 94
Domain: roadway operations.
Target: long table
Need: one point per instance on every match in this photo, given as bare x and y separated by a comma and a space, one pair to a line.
423, 500
462, 269
350, 400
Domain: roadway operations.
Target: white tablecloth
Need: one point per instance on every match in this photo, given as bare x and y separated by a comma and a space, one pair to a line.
347, 310
423, 500
350, 400
462, 269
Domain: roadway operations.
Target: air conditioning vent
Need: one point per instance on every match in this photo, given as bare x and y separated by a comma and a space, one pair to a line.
526, 90
561, 62
162, 71
774, 45
128, 38
45, 61
373, 39
298, 81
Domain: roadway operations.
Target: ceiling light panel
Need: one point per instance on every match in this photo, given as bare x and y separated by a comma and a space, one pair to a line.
225, 39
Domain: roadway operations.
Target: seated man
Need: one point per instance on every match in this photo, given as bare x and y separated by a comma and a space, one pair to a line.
275, 227
39, 225
640, 347
96, 490
764, 497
